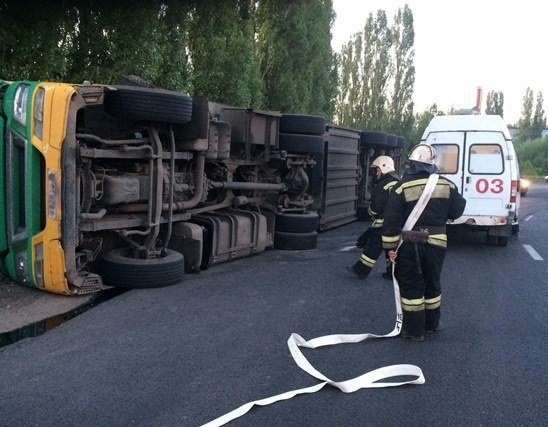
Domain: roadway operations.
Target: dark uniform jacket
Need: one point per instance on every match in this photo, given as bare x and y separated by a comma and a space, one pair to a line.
445, 203
379, 197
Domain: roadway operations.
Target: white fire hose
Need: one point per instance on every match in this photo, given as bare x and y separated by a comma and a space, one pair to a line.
371, 379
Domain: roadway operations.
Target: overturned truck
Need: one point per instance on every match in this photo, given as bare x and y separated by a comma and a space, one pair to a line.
134, 186
131, 186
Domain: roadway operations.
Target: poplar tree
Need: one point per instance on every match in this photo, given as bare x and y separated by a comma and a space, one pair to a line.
30, 47
223, 52
401, 107
499, 103
349, 109
526, 120
174, 67
539, 118
296, 60
109, 39
377, 75
377, 50
489, 103
494, 104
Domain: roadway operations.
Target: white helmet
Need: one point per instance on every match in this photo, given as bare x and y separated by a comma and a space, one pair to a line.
384, 163
423, 153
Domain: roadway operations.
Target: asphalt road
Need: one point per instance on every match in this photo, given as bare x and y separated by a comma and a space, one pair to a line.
186, 354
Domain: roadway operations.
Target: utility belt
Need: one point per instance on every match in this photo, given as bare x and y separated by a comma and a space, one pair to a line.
420, 233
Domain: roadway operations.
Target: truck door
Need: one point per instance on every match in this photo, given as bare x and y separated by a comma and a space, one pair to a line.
487, 180
3, 241
449, 148
3, 235
22, 171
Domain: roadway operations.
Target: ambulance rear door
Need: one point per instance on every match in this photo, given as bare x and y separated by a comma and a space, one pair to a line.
449, 148
487, 181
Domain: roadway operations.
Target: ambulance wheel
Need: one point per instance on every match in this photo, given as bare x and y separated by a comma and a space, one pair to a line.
503, 240
147, 104
120, 269
297, 222
295, 241
492, 240
515, 229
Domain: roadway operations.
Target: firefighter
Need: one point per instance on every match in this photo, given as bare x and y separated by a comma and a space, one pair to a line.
371, 239
418, 265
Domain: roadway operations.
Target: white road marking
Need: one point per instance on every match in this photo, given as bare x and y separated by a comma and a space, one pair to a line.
534, 254
528, 217
347, 248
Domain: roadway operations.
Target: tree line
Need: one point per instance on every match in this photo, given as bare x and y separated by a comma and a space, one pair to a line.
269, 54
531, 147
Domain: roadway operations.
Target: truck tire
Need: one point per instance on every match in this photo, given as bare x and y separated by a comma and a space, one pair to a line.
392, 140
301, 144
302, 123
147, 104
298, 222
133, 80
118, 269
372, 138
198, 127
295, 241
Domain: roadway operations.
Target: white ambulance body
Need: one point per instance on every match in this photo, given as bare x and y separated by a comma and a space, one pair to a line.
477, 154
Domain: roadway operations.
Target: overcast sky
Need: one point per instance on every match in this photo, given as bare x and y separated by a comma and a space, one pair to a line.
462, 44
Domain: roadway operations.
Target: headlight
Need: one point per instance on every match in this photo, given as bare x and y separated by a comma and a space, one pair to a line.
39, 265
21, 267
525, 183
39, 112
20, 103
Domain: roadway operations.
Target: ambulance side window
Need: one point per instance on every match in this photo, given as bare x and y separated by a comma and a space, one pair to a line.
448, 157
486, 159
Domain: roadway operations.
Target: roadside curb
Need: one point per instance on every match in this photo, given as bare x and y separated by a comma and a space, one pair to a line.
22, 306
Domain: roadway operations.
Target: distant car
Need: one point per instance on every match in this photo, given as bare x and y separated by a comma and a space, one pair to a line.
546, 178
524, 186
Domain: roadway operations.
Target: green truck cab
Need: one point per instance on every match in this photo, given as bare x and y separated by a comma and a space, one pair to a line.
131, 186
20, 182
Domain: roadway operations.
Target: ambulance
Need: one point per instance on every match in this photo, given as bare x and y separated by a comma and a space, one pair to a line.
476, 153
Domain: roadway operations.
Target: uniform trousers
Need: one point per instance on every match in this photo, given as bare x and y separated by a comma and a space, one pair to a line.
371, 251
418, 270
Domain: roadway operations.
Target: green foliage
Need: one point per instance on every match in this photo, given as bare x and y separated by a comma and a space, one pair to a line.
296, 61
533, 157
401, 106
531, 124
420, 123
32, 51
539, 118
106, 44
224, 60
94, 40
495, 103
377, 75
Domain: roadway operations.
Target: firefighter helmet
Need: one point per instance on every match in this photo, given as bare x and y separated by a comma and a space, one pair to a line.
423, 153
384, 163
